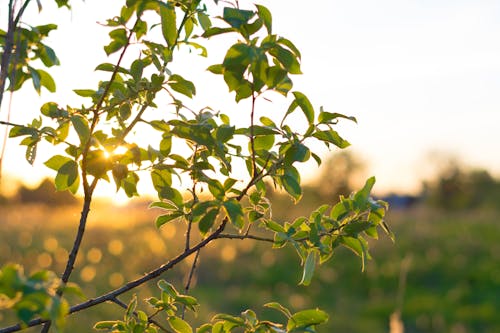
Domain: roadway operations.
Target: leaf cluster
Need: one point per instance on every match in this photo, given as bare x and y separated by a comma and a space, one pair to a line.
192, 164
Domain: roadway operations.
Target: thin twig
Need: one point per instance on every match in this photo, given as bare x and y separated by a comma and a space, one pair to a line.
242, 237
7, 50
11, 97
195, 200
252, 137
190, 278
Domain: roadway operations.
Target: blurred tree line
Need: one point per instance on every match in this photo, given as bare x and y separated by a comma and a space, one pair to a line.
458, 188
45, 193
453, 187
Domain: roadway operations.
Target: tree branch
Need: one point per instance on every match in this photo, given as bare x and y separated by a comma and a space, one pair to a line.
190, 277
242, 237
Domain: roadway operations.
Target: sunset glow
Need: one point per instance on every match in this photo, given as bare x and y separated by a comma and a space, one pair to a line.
420, 78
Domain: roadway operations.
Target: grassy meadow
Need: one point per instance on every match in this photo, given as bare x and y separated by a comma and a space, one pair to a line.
443, 272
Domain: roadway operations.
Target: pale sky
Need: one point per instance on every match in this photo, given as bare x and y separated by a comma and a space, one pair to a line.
420, 76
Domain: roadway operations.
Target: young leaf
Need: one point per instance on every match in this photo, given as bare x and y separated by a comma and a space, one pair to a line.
81, 126
181, 85
105, 325
208, 220
333, 137
266, 17
234, 212
162, 219
361, 197
179, 325
237, 17
46, 80
291, 183
107, 67
35, 77
306, 318
168, 24
286, 58
279, 307
309, 267
306, 106
84, 92
163, 205
204, 20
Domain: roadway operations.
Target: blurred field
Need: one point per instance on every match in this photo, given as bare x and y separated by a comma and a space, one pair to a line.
452, 285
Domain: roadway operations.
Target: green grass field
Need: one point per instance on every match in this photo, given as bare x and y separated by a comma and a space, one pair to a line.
451, 268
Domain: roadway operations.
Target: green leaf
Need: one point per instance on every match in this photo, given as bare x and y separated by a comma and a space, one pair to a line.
205, 328
215, 187
104, 325
237, 17
266, 17
286, 58
361, 197
168, 24
168, 288
303, 102
274, 76
306, 318
163, 205
107, 67
309, 267
98, 164
179, 325
290, 45
50, 109
82, 128
352, 243
48, 56
46, 80
136, 69
263, 142
224, 133
279, 307
291, 183
216, 69
204, 20
329, 117
355, 227
181, 85
31, 153
238, 57
234, 212
162, 219
113, 46
331, 136
213, 31
208, 220
67, 174
298, 152
35, 77
57, 161
84, 92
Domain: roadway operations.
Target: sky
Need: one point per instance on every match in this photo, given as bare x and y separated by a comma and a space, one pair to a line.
421, 76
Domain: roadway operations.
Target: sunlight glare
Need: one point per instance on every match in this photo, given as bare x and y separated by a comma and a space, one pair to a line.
120, 150
120, 199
